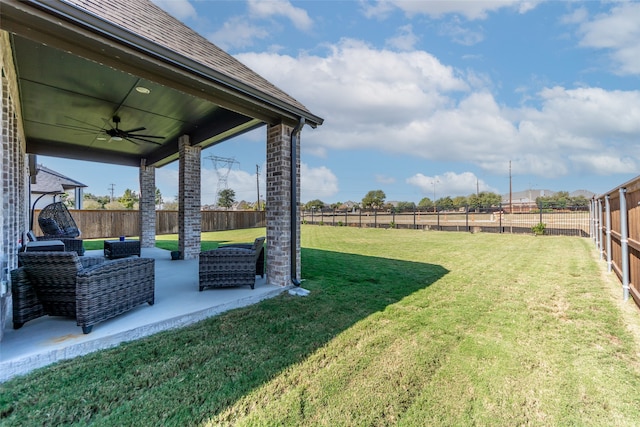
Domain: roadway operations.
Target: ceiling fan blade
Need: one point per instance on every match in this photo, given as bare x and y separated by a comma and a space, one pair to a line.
134, 130
129, 137
130, 140
146, 136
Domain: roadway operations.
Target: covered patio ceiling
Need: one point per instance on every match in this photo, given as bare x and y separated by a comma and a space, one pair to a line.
83, 66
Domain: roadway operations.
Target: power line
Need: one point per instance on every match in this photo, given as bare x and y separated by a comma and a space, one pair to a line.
222, 166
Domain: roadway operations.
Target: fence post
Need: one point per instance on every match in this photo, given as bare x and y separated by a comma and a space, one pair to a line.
414, 218
624, 243
600, 227
375, 218
346, 217
360, 217
466, 214
608, 222
591, 212
500, 213
540, 213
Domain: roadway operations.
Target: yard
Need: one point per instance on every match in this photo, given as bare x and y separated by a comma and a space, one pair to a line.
402, 327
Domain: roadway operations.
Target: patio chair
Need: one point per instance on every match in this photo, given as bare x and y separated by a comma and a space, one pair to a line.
56, 223
88, 289
258, 245
229, 266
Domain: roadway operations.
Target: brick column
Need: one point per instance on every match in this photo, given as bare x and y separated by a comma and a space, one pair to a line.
147, 205
189, 215
278, 211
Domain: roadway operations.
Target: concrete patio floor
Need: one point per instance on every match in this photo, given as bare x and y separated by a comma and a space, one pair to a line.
178, 302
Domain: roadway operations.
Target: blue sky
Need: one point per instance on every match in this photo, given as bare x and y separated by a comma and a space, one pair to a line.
424, 96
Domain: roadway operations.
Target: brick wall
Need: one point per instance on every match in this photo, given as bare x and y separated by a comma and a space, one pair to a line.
189, 221
278, 210
14, 175
147, 205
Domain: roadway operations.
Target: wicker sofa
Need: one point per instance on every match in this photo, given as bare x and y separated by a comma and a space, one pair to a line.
88, 289
229, 266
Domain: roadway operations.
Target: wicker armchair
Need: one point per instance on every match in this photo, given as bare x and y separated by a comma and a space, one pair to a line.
229, 266
258, 245
88, 289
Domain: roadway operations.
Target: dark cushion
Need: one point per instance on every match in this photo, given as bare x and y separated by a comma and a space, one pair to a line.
49, 226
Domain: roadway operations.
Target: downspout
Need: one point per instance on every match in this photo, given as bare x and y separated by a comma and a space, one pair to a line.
295, 137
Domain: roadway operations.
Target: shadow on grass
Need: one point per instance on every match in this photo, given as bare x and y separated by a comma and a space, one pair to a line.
186, 376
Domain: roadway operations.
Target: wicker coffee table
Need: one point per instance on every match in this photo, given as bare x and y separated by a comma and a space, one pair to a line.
121, 248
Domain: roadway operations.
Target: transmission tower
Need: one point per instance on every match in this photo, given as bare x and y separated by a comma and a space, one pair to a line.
222, 166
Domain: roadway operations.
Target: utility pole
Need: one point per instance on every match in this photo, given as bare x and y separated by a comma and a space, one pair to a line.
258, 186
111, 188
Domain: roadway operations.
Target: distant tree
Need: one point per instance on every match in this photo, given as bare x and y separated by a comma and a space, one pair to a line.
129, 199
102, 200
374, 199
405, 206
336, 205
579, 202
444, 203
244, 205
226, 198
316, 203
158, 198
425, 203
460, 202
488, 199
114, 206
170, 206
91, 205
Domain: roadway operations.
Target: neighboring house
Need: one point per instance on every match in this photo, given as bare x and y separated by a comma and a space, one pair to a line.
81, 79
49, 185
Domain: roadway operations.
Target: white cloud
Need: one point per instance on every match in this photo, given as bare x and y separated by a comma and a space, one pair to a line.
449, 184
617, 32
471, 10
461, 34
410, 103
181, 9
405, 39
268, 8
317, 183
237, 33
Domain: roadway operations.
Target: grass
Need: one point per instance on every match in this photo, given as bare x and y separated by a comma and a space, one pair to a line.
401, 327
208, 240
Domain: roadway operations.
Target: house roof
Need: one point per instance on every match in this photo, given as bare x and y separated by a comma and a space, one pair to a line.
80, 63
48, 181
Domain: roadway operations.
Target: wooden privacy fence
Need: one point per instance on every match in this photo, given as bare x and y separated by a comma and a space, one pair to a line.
564, 222
615, 218
96, 224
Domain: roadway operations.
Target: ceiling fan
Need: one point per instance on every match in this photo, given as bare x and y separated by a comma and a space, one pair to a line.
130, 135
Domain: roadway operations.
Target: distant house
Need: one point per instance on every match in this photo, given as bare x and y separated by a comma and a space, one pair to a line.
49, 185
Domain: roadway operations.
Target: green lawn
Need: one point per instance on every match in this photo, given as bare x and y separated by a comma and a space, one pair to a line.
401, 327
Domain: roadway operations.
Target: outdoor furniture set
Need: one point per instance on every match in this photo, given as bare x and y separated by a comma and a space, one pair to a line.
59, 282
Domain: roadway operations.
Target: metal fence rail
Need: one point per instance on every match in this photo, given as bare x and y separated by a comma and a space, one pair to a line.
565, 222
615, 229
